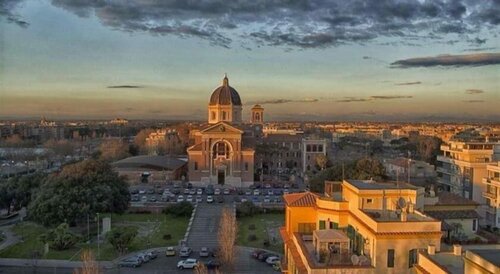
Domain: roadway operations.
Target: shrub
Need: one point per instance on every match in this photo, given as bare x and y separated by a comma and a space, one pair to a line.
247, 209
252, 238
167, 237
183, 209
251, 227
266, 243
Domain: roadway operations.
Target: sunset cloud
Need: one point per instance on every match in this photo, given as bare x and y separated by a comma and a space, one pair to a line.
478, 59
474, 91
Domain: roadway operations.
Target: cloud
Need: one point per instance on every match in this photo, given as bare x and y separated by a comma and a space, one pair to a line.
473, 101
477, 59
294, 24
283, 101
6, 10
372, 98
408, 83
474, 91
125, 86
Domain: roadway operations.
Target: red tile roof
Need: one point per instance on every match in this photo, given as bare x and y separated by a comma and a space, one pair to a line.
304, 199
448, 198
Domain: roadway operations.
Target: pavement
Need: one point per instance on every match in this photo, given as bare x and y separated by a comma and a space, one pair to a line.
203, 232
10, 237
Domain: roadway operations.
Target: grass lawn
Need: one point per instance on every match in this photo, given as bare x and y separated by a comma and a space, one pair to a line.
157, 225
262, 222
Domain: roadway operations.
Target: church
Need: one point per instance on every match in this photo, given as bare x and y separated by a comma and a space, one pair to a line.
223, 152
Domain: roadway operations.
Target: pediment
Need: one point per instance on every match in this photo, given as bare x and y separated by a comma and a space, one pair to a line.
221, 127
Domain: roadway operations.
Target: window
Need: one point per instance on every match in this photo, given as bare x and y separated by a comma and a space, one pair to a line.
412, 258
322, 224
474, 225
308, 148
195, 165
390, 257
320, 148
307, 228
369, 201
223, 115
246, 166
334, 225
213, 115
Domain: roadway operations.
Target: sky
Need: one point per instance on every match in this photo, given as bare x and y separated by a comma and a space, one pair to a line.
317, 60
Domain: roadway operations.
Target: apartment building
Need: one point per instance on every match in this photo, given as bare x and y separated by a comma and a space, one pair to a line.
492, 195
462, 167
357, 227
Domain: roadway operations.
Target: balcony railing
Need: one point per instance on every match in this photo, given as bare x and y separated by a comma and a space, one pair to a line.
490, 195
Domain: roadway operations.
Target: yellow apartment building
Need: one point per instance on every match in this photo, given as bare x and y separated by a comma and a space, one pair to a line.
357, 227
492, 195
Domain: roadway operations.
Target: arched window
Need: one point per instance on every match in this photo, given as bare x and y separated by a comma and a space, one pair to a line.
257, 117
221, 149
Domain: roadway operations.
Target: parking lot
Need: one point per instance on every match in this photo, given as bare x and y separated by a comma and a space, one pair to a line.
161, 194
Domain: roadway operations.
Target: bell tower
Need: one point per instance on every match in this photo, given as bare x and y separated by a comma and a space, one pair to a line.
257, 115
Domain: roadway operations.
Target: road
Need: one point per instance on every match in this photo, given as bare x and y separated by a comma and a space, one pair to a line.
161, 265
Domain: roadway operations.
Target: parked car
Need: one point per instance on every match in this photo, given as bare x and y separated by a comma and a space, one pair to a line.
267, 199
180, 198
204, 252
272, 260
159, 190
212, 264
130, 262
199, 199
153, 254
135, 198
209, 190
186, 191
151, 191
142, 191
185, 251
199, 191
217, 191
277, 192
176, 191
170, 251
256, 192
267, 185
189, 185
134, 191
144, 198
220, 199
227, 191
244, 200
210, 199
263, 257
143, 257
187, 263
192, 191
152, 199
189, 199
248, 192
257, 252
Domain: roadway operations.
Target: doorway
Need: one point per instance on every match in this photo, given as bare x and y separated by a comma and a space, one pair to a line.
221, 176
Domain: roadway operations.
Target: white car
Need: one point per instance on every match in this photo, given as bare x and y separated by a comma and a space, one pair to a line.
142, 191
199, 191
267, 199
187, 263
226, 191
144, 199
217, 191
189, 199
180, 198
210, 199
272, 260
256, 192
199, 199
270, 192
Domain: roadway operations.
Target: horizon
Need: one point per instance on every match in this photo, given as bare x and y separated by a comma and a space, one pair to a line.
358, 62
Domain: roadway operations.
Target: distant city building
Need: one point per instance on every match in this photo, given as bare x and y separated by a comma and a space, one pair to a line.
397, 169
492, 194
150, 169
311, 149
257, 115
119, 121
358, 226
223, 152
164, 141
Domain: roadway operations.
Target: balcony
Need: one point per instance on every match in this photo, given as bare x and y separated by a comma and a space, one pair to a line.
444, 170
490, 195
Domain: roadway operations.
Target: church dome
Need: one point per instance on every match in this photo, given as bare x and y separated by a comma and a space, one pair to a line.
225, 95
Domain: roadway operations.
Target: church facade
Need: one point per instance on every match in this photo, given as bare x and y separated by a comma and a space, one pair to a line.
223, 153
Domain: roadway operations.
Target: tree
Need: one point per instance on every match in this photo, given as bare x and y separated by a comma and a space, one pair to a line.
247, 209
114, 149
322, 161
60, 238
428, 147
121, 237
79, 190
362, 169
140, 139
17, 191
228, 231
182, 209
89, 264
60, 147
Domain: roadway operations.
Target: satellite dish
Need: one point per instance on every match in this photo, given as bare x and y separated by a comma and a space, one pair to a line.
355, 259
401, 203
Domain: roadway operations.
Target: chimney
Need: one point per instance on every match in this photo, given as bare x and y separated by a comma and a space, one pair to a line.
404, 216
457, 250
431, 249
